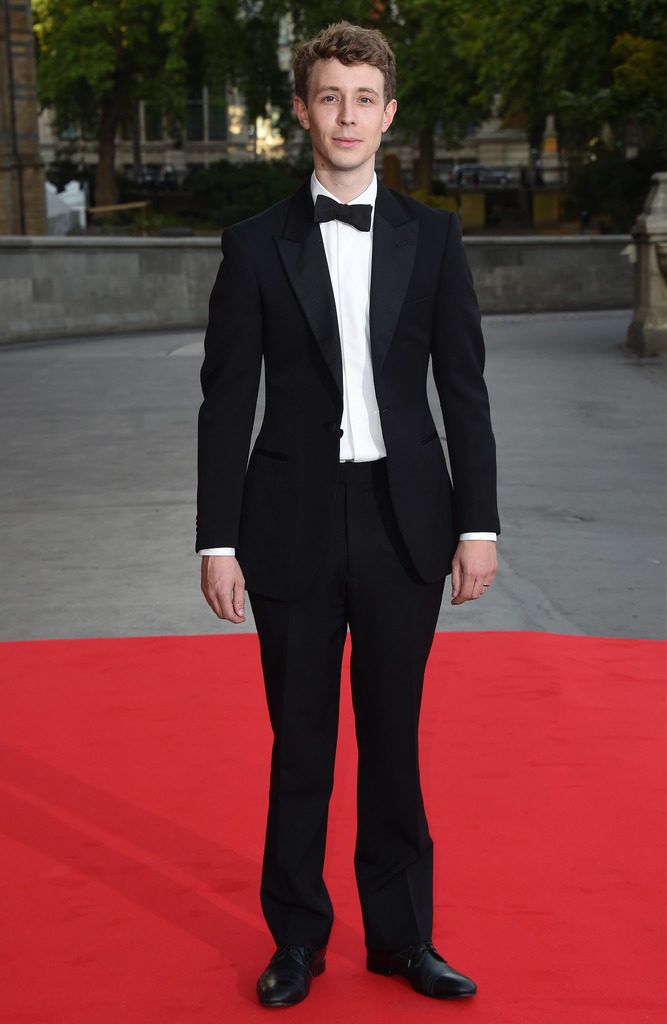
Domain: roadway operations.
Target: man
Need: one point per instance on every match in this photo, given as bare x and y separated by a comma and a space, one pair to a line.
345, 515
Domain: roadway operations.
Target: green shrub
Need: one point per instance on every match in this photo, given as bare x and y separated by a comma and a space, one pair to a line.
610, 188
228, 193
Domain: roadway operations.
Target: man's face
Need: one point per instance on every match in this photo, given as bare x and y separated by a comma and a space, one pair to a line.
345, 114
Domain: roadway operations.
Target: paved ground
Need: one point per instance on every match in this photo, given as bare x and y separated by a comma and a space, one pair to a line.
97, 458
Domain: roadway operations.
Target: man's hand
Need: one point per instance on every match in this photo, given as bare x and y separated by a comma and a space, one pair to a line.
223, 586
473, 569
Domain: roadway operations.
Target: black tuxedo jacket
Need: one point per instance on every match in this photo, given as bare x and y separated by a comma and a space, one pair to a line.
273, 300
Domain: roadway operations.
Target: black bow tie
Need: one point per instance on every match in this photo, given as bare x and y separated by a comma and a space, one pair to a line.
358, 215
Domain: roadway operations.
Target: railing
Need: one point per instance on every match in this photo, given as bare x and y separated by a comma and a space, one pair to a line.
118, 207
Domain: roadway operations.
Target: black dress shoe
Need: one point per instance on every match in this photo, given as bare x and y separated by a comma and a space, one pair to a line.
287, 979
426, 971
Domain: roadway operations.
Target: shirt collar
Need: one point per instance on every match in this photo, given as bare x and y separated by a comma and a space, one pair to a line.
367, 196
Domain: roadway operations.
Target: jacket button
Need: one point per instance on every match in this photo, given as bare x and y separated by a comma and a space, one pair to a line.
340, 433
386, 409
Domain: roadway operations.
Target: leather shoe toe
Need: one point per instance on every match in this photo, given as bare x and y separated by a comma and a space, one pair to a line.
426, 970
287, 978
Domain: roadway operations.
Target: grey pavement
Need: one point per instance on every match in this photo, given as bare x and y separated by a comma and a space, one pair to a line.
98, 480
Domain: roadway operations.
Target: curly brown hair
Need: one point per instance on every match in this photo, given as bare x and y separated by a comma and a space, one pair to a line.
350, 44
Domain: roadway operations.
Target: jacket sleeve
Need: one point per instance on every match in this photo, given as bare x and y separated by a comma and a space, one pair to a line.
230, 376
458, 369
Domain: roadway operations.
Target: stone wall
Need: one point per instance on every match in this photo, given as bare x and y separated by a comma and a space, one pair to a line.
544, 273
61, 287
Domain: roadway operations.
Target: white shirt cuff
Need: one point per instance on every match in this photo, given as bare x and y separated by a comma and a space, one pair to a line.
232, 551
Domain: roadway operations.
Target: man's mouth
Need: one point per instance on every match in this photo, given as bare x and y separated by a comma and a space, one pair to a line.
343, 140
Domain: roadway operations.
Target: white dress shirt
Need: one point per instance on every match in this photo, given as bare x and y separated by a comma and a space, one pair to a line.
348, 252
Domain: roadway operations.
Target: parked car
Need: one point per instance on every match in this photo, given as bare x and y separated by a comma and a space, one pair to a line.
482, 174
156, 176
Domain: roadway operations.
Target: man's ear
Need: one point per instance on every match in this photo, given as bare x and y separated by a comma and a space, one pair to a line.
301, 111
389, 113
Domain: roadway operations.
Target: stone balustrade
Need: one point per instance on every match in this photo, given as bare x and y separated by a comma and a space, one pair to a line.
64, 287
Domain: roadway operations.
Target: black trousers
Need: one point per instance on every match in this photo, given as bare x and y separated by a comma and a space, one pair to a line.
368, 583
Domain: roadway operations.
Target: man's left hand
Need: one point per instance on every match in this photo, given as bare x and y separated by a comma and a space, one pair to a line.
473, 569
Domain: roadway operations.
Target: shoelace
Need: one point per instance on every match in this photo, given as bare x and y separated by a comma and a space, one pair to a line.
417, 952
301, 954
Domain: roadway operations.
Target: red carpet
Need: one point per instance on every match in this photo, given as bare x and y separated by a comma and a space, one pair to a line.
132, 811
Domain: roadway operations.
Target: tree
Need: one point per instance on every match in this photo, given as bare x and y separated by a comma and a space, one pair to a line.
640, 77
439, 87
248, 39
96, 60
590, 62
240, 43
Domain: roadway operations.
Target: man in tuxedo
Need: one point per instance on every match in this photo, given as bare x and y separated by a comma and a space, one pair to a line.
345, 514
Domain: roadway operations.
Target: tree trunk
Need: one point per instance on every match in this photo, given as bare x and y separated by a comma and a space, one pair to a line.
137, 159
425, 156
106, 187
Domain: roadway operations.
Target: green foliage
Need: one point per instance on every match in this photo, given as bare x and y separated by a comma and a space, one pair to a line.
240, 43
309, 17
601, 67
227, 192
598, 65
610, 188
586, 61
87, 52
438, 54
640, 75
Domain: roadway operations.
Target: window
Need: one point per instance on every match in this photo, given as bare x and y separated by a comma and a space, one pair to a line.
194, 117
217, 114
152, 123
70, 132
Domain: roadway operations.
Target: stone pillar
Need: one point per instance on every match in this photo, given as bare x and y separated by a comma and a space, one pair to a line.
550, 155
647, 334
22, 193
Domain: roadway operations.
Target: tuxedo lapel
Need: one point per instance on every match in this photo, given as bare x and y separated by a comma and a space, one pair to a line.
302, 253
394, 249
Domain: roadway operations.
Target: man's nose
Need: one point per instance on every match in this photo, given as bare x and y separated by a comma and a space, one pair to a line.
346, 112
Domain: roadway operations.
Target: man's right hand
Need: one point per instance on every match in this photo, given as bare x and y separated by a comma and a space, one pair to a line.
223, 586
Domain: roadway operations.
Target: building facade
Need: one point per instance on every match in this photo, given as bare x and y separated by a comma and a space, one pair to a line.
216, 128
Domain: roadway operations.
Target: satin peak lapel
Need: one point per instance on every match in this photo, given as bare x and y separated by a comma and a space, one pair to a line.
302, 253
394, 249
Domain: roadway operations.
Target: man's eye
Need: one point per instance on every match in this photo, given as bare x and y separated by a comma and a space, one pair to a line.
327, 98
